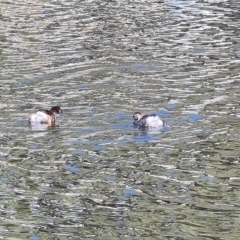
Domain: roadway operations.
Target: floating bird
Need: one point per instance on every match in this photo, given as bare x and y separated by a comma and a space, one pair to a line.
44, 116
151, 121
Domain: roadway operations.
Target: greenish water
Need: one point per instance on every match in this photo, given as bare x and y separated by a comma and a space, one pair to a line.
95, 176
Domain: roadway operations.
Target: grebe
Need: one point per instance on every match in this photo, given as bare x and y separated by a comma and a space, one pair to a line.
152, 120
44, 116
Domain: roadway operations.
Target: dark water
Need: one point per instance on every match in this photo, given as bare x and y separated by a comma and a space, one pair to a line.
95, 176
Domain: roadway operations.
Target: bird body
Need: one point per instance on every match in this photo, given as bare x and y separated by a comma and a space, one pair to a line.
44, 116
152, 120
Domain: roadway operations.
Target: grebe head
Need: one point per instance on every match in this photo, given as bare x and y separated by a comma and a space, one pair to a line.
137, 116
56, 110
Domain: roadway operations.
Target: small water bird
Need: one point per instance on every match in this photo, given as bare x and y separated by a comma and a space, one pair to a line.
44, 116
151, 121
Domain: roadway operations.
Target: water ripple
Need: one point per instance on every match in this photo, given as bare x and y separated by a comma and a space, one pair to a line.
94, 173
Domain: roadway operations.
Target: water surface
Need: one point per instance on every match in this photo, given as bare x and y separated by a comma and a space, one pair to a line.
95, 176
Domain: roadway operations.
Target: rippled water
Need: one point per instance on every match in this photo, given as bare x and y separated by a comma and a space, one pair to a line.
95, 176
